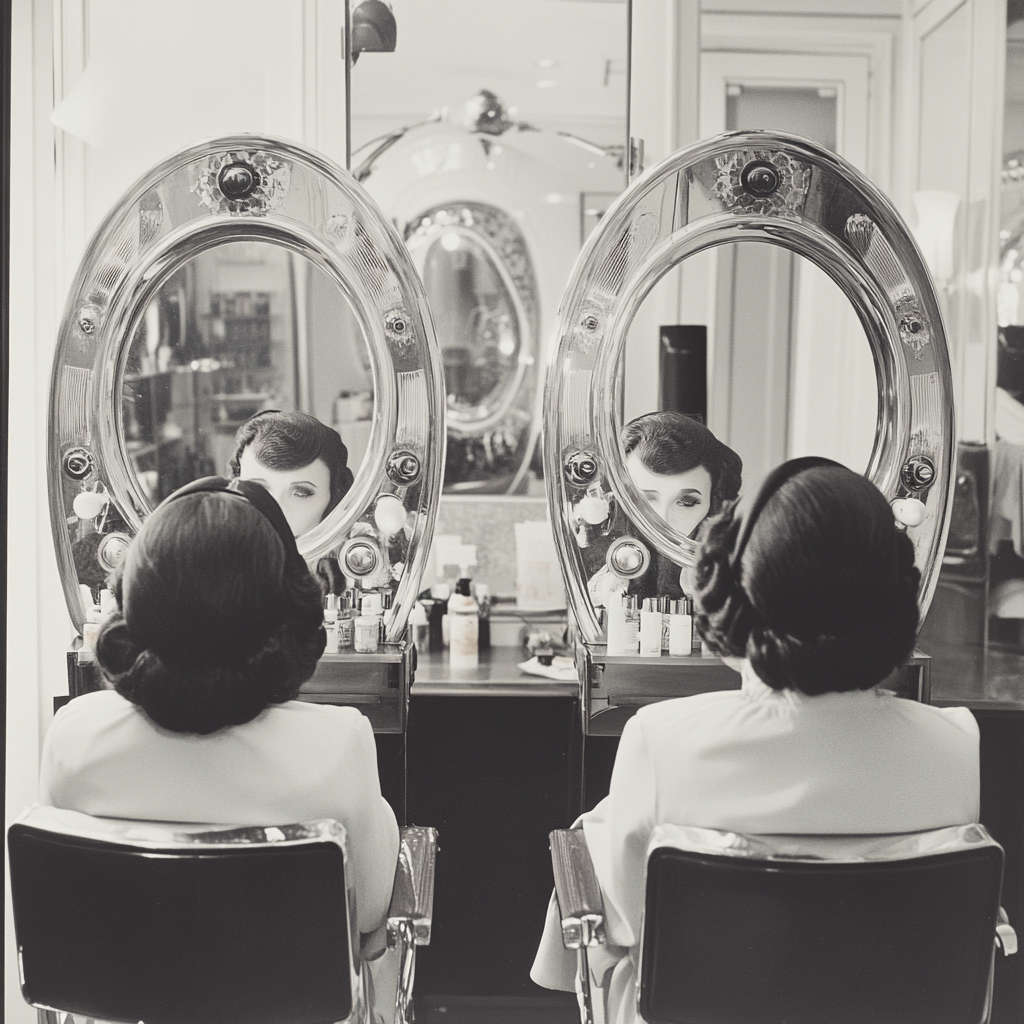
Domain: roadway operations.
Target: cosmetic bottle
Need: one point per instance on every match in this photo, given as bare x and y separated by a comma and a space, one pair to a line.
680, 629
331, 625
650, 630
696, 643
615, 625
91, 628
439, 592
463, 626
346, 620
664, 605
483, 600
108, 603
632, 609
368, 626
420, 627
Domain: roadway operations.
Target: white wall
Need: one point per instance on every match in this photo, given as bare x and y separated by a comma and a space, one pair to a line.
38, 630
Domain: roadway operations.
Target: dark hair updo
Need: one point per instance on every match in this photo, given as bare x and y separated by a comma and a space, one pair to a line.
671, 443
824, 596
292, 440
216, 621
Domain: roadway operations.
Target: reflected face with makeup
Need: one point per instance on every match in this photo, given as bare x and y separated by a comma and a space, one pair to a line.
683, 500
302, 493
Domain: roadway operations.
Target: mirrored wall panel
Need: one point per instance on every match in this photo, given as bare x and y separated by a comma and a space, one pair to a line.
493, 137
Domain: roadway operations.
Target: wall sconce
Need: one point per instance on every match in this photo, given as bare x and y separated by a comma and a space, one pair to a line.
936, 220
373, 29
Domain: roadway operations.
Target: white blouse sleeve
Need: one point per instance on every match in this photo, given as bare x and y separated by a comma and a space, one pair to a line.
372, 832
630, 817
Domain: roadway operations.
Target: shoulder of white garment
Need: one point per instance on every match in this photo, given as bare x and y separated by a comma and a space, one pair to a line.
107, 708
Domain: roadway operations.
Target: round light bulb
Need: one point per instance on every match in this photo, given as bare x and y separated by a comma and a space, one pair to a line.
389, 515
593, 510
88, 504
909, 511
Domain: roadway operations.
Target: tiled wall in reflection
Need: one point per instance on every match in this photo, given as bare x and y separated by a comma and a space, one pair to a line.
489, 523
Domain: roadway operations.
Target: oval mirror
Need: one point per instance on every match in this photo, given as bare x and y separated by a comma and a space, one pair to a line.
741, 187
493, 212
241, 275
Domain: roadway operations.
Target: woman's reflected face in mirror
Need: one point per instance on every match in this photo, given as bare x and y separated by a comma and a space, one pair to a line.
681, 468
302, 462
683, 500
302, 493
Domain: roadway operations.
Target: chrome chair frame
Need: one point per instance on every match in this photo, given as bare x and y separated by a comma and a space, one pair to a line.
409, 917
581, 906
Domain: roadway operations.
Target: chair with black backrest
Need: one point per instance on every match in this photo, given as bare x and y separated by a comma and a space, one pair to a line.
187, 924
743, 929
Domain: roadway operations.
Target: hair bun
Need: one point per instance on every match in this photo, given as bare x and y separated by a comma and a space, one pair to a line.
116, 652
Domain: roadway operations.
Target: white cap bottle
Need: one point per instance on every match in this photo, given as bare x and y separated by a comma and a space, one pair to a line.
650, 630
463, 627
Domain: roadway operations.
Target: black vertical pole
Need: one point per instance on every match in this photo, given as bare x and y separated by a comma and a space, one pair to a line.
683, 370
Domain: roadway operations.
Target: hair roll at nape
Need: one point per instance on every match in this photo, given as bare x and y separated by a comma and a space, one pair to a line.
722, 610
203, 700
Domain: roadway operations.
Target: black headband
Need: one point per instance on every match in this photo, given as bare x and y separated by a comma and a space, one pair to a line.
257, 496
771, 485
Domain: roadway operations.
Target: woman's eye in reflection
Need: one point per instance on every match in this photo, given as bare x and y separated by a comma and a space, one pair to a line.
688, 500
302, 491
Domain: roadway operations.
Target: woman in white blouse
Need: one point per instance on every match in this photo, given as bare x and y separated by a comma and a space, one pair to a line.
812, 597
220, 623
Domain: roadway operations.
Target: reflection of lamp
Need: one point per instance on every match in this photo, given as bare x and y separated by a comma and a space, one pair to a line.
373, 29
936, 217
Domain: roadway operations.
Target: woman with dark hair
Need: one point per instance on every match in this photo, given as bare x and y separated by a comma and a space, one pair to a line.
684, 471
219, 624
686, 474
812, 597
302, 462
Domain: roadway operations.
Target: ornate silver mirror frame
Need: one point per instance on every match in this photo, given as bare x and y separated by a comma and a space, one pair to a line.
245, 188
746, 186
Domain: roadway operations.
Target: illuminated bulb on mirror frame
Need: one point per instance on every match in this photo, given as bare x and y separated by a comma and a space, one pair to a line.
909, 511
450, 241
389, 515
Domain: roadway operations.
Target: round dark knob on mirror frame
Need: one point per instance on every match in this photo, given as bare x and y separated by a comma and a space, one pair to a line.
917, 473
78, 463
760, 178
581, 468
238, 180
403, 468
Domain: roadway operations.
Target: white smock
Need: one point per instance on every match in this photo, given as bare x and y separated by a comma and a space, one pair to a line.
294, 762
762, 761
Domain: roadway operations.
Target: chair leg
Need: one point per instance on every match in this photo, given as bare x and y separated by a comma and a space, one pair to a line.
406, 972
586, 996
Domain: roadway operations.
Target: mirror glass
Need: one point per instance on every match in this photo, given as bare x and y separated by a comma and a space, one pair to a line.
494, 137
477, 324
780, 368
241, 328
